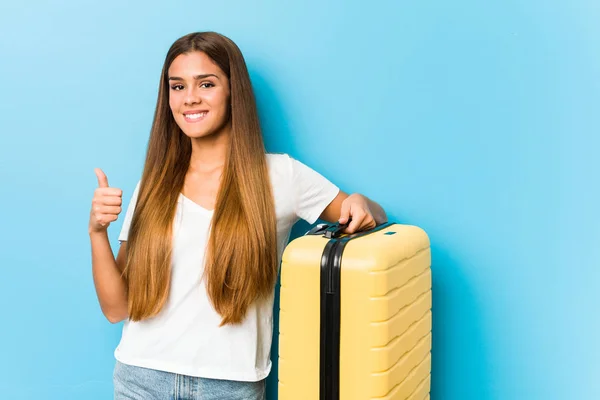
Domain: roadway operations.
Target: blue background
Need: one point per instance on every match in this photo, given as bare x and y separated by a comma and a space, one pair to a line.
475, 120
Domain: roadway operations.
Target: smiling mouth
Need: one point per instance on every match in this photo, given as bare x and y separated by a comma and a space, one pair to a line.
195, 117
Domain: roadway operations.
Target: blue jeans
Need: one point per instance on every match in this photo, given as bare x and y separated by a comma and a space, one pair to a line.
137, 383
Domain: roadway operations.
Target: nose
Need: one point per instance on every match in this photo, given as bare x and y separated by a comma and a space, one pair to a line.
192, 97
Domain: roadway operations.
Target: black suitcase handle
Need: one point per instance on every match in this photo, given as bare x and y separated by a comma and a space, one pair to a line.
329, 231
334, 231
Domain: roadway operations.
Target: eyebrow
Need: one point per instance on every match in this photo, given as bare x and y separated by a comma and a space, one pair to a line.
197, 77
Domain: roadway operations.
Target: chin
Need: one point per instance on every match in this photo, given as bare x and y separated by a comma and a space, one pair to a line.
195, 131
197, 134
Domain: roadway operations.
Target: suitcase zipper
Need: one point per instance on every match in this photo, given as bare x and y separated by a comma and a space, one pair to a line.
330, 307
331, 261
331, 289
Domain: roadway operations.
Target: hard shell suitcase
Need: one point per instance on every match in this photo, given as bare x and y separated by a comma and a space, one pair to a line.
355, 315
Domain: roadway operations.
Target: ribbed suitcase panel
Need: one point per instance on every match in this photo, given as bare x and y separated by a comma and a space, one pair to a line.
386, 314
384, 281
422, 390
383, 382
385, 339
414, 382
385, 307
381, 332
299, 319
384, 358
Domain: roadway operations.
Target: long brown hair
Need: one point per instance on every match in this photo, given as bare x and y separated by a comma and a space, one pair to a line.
241, 258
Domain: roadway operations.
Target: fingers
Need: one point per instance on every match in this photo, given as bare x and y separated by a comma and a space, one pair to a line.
108, 192
105, 219
100, 210
106, 204
102, 179
344, 213
102, 214
360, 221
356, 223
107, 201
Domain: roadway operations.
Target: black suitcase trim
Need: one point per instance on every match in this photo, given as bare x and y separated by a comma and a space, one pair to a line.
331, 260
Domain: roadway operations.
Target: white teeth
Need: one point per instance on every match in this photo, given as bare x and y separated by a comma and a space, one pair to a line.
195, 116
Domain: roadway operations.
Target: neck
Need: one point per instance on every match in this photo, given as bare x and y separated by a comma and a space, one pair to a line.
209, 153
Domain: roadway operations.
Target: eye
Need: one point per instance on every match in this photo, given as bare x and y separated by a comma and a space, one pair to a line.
206, 85
177, 87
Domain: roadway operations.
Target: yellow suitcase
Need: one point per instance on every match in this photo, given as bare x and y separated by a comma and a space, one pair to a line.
355, 315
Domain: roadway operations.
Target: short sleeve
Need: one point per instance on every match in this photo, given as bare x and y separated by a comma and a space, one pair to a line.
129, 215
312, 191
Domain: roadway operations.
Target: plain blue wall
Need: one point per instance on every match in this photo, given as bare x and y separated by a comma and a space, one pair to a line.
477, 121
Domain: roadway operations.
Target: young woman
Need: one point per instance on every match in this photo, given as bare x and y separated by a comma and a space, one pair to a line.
203, 235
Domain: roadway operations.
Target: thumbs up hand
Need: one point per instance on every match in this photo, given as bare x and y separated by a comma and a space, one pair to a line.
106, 204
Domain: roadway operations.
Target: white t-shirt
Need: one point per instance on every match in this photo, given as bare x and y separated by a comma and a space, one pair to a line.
185, 336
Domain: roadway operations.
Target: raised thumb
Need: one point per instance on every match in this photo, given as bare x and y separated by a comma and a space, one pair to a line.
102, 179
